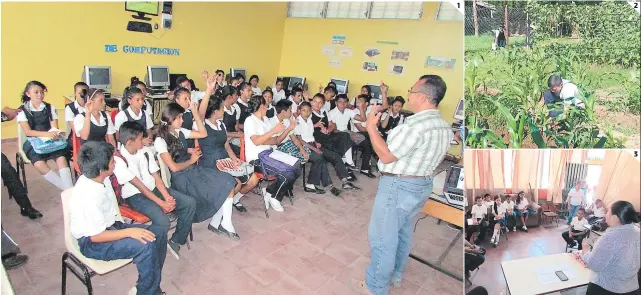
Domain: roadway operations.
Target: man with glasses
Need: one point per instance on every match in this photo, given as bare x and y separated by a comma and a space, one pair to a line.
406, 162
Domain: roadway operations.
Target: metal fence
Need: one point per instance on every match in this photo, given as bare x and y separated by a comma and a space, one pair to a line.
491, 16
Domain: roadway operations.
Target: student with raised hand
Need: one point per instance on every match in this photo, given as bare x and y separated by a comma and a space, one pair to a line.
259, 137
365, 90
216, 146
212, 189
393, 116
143, 88
144, 190
307, 132
614, 261
182, 96
196, 95
100, 127
279, 92
92, 220
132, 109
269, 95
39, 119
242, 104
77, 106
253, 81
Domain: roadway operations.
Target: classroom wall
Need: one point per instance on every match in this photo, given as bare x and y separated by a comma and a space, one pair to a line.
52, 41
304, 38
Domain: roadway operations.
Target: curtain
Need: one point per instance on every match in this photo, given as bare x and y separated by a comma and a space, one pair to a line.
483, 172
620, 178
558, 162
525, 176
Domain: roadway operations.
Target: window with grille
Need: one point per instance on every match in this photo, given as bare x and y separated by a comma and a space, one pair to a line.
356, 10
447, 11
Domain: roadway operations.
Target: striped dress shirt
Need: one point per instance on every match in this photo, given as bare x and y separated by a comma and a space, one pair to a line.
419, 145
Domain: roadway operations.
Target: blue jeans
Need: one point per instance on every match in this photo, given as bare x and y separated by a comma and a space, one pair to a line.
572, 212
397, 202
145, 256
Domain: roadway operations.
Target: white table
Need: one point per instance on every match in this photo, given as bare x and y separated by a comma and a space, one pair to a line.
522, 279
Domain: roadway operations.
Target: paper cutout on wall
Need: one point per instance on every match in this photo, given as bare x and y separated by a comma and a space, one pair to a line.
338, 39
369, 66
396, 69
372, 52
346, 51
400, 54
387, 42
335, 62
440, 62
328, 50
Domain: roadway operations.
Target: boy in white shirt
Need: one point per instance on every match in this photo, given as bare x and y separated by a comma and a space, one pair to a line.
144, 191
522, 209
577, 230
279, 92
296, 98
596, 211
93, 220
479, 211
509, 210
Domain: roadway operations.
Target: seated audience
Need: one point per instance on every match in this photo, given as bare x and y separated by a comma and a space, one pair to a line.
479, 211
393, 116
39, 119
498, 220
269, 95
522, 209
220, 79
577, 230
487, 201
474, 257
77, 106
213, 190
100, 127
330, 103
596, 211
614, 260
143, 88
196, 95
242, 107
278, 91
229, 95
132, 109
253, 81
296, 98
93, 221
144, 191
510, 213
182, 96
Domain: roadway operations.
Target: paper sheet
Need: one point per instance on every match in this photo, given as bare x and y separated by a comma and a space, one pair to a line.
328, 50
335, 62
346, 52
283, 157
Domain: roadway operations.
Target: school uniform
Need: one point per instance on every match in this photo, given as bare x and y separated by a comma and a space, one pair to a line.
343, 120
188, 123
142, 165
576, 226
242, 111
478, 213
510, 219
295, 105
394, 120
255, 126
271, 111
278, 95
338, 142
257, 91
143, 118
93, 210
318, 173
146, 106
98, 128
230, 120
306, 130
329, 105
39, 120
71, 111
209, 187
197, 96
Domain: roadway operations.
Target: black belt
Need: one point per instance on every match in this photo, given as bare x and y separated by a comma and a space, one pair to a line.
401, 175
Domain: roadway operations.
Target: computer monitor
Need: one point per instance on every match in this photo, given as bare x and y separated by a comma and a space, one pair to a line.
293, 81
454, 187
376, 92
341, 85
158, 76
172, 80
142, 8
97, 77
235, 71
459, 114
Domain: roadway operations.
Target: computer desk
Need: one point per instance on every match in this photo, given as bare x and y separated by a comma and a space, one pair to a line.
438, 207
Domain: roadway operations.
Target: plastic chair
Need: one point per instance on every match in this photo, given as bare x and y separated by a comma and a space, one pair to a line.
75, 147
113, 114
587, 235
21, 157
83, 268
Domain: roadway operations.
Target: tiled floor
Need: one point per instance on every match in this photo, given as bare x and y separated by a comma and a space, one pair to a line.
538, 241
315, 247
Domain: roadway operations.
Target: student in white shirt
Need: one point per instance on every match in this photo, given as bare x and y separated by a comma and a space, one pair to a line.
510, 214
242, 106
279, 92
269, 96
487, 200
182, 97
220, 79
77, 106
577, 230
522, 209
253, 81
259, 137
499, 213
330, 103
596, 210
196, 95
296, 98
393, 116
132, 104
144, 190
99, 125
576, 199
234, 81
213, 190
479, 212
143, 88
229, 94
39, 119
94, 221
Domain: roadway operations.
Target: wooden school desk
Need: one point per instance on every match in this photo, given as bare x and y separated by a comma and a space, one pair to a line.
522, 279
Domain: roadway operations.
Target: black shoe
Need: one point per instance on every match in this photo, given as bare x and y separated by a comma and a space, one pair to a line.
351, 167
351, 177
240, 207
349, 185
215, 229
31, 213
368, 174
14, 261
335, 191
314, 190
233, 236
290, 193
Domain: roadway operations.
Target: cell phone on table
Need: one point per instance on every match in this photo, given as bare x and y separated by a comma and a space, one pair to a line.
561, 276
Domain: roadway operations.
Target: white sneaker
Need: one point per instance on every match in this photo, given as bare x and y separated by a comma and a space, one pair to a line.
276, 205
492, 240
266, 197
524, 227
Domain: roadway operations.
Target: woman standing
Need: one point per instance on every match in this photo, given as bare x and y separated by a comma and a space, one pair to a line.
614, 261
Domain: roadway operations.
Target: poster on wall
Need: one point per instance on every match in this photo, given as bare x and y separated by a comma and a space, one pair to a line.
372, 52
369, 66
346, 52
335, 62
440, 62
338, 39
396, 69
387, 42
401, 54
328, 50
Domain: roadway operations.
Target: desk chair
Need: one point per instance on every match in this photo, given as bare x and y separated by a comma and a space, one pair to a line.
262, 177
549, 213
21, 158
82, 267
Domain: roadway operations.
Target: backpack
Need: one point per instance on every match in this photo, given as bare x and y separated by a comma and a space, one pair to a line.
114, 181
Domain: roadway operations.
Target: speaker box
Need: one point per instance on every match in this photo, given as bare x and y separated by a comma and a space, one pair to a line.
166, 21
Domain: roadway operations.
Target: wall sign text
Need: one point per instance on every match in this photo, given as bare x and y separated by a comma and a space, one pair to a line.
142, 49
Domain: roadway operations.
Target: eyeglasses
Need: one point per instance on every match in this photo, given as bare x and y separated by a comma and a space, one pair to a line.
412, 91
